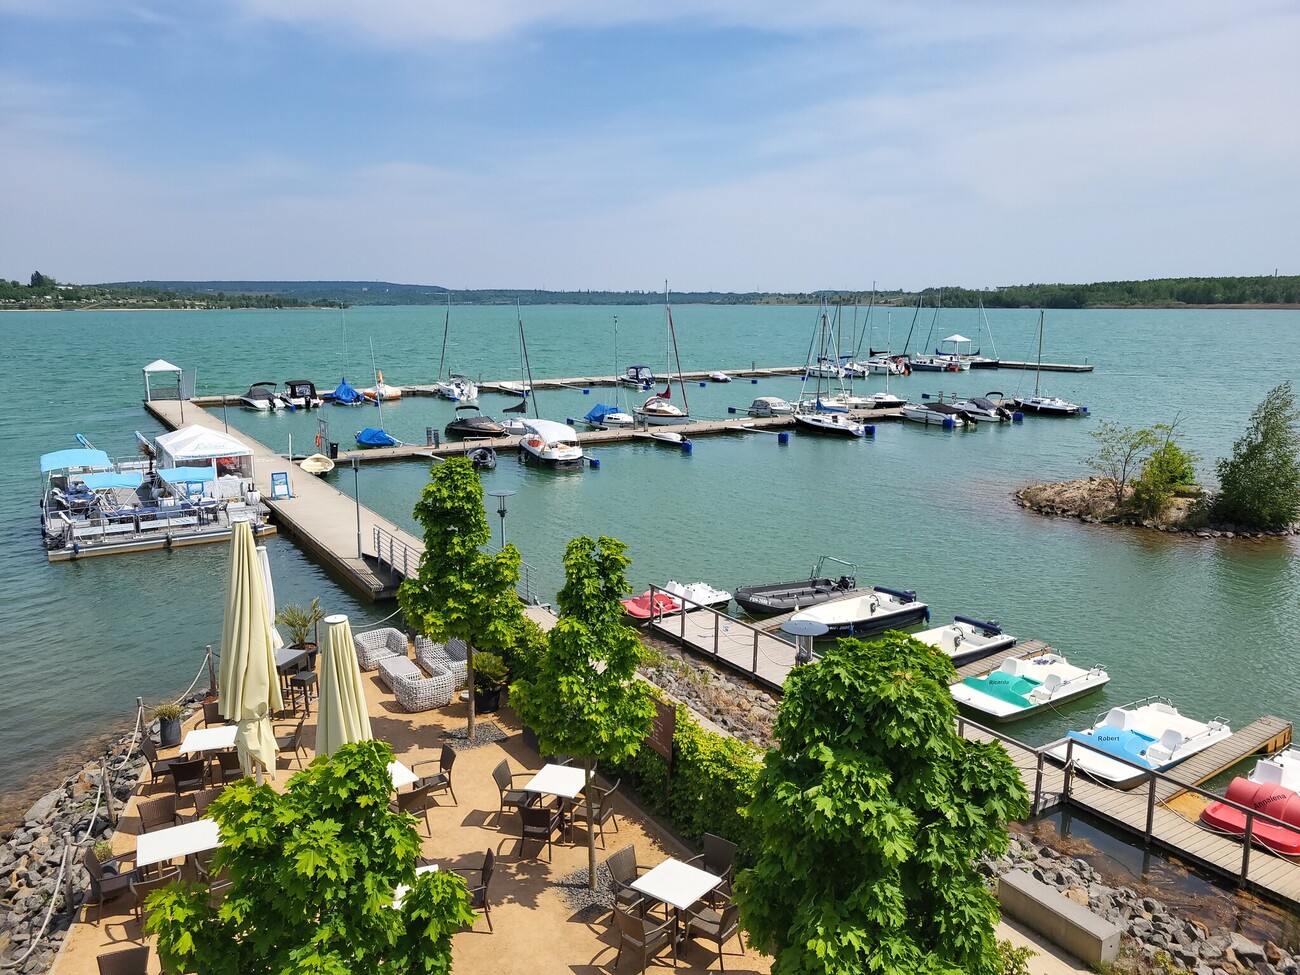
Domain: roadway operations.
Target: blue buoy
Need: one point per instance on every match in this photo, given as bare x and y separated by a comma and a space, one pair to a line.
731, 409
1083, 409
569, 420
585, 392
783, 437
753, 382
687, 446
702, 385
947, 423
869, 429
925, 396
595, 462
1017, 417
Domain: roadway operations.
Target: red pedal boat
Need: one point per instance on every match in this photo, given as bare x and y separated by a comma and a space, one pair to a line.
1265, 797
641, 608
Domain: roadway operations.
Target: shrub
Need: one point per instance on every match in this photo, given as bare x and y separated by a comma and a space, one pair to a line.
1259, 485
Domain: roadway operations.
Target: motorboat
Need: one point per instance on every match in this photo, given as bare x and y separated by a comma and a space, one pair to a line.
966, 639
301, 394
697, 594
719, 377
483, 458
935, 414
867, 614
650, 603
515, 388
376, 437
1020, 687
1273, 799
884, 401
381, 391
638, 377
834, 424
1039, 404
551, 443
956, 354
935, 363
781, 597
657, 410
985, 407
671, 437
457, 388
602, 416
855, 369
844, 402
825, 367
470, 422
770, 406
317, 464
885, 364
1128, 741
262, 397
345, 395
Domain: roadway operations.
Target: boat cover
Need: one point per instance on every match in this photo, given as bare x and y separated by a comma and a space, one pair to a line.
345, 394
112, 479
178, 475
552, 431
370, 437
74, 457
599, 412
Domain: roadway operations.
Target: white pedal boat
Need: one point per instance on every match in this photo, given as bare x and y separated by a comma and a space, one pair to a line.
1021, 687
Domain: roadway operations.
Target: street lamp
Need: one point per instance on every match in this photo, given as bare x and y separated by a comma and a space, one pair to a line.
356, 493
501, 494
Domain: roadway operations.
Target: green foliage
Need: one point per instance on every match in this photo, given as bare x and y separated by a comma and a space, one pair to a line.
299, 621
1013, 960
490, 671
168, 711
1259, 485
313, 871
1166, 470
1120, 450
872, 813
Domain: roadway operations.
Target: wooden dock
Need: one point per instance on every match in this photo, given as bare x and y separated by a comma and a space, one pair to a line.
1046, 366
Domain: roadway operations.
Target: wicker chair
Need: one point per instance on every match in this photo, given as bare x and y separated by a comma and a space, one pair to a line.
226, 769
717, 926
718, 858
624, 869
434, 656
634, 933
142, 887
540, 823
128, 961
212, 713
157, 813
479, 892
105, 886
602, 809
417, 800
158, 767
425, 693
512, 797
189, 775
375, 645
439, 781
293, 744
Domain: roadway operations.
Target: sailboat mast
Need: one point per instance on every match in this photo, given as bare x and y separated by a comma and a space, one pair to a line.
919, 299
446, 326
1038, 370
379, 398
866, 326
672, 334
528, 366
343, 314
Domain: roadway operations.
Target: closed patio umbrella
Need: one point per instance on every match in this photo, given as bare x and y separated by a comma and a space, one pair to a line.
249, 688
341, 715
264, 560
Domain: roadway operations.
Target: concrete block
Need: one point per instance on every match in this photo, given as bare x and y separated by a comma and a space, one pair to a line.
1067, 925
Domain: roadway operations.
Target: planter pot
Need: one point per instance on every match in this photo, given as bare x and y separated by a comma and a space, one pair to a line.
169, 731
485, 702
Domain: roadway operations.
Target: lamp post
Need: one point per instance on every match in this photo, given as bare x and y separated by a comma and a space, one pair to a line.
501, 494
356, 493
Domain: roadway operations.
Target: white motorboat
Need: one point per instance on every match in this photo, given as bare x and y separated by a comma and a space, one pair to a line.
719, 377
825, 367
317, 464
842, 403
515, 388
697, 594
456, 388
262, 397
836, 424
770, 406
658, 411
381, 392
855, 369
888, 365
884, 401
985, 407
301, 394
1021, 687
638, 377
1045, 405
602, 416
934, 414
951, 349
669, 436
1128, 741
872, 612
551, 443
966, 639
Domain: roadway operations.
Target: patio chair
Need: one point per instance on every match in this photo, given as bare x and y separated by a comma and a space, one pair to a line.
212, 713
375, 645
128, 961
157, 813
158, 767
479, 893
624, 869
227, 768
440, 781
416, 694
142, 887
540, 823
718, 858
293, 743
433, 656
189, 775
510, 796
417, 800
647, 939
719, 927
105, 880
204, 799
602, 811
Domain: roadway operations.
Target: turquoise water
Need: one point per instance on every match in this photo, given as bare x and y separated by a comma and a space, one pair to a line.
1211, 624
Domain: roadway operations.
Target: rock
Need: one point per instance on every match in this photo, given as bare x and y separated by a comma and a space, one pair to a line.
1244, 948
1273, 953
44, 807
1078, 895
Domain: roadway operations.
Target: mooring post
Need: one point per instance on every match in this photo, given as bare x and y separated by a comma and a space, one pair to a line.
717, 623
1151, 806
755, 669
1038, 784
1069, 769
212, 674
108, 792
1245, 845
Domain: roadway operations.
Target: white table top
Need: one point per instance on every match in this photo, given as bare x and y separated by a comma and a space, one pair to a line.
401, 775
176, 841
209, 739
402, 890
565, 781
676, 883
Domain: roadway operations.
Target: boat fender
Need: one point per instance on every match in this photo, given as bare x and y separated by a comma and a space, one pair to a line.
1017, 417
586, 392
783, 437
76, 549
947, 423
595, 462
687, 446
925, 396
731, 409
702, 385
869, 429
1083, 409
753, 382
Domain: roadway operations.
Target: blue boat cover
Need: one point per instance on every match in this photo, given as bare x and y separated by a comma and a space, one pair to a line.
73, 457
175, 475
599, 412
1130, 745
112, 479
370, 437
345, 394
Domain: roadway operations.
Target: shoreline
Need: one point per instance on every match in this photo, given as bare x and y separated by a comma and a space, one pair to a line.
1288, 306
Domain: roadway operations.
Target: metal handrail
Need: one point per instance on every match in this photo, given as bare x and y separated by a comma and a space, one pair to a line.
404, 560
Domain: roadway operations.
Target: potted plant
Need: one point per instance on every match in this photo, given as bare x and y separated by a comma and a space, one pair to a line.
490, 676
300, 622
169, 723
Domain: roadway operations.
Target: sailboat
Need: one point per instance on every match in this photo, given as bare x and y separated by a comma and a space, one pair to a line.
658, 410
978, 360
603, 416
1045, 405
455, 387
515, 425
344, 394
817, 414
376, 436
887, 400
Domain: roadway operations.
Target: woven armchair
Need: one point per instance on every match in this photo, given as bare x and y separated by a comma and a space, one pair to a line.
451, 656
375, 645
425, 693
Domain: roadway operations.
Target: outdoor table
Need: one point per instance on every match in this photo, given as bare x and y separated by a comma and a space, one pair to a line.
288, 656
676, 883
209, 739
402, 890
401, 775
176, 841
565, 781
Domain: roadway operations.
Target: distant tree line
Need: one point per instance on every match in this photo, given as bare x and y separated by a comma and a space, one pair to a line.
43, 291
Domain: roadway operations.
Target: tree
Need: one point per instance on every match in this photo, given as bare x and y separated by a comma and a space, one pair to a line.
1121, 451
1166, 469
585, 698
871, 813
461, 591
313, 872
1259, 485
39, 280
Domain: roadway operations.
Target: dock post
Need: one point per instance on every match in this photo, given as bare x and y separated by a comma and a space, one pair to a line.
108, 792
1151, 808
212, 673
1069, 770
1038, 784
717, 622
755, 670
1245, 845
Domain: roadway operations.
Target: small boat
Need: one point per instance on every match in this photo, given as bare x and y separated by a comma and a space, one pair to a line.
550, 443
872, 612
262, 397
885, 364
824, 367
956, 355
697, 594
844, 402
935, 363
345, 395
719, 377
884, 401
984, 407
470, 422
376, 437
317, 464
515, 389
483, 458
301, 394
935, 414
770, 406
781, 597
668, 436
381, 391
603, 416
657, 410
1282, 768
1147, 735
1045, 405
638, 377
1274, 800
835, 424
457, 388
1021, 687
966, 639
647, 605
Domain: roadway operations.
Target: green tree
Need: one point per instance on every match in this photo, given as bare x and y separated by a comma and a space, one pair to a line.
1259, 485
1120, 452
871, 813
585, 698
461, 591
313, 871
39, 280
1166, 469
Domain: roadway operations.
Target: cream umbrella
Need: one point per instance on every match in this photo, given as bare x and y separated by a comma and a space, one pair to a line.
264, 560
341, 715
249, 688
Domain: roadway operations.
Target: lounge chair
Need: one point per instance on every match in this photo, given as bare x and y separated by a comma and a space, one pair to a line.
425, 693
375, 645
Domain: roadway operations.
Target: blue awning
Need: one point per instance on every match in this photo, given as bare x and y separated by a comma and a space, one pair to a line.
175, 475
72, 458
112, 479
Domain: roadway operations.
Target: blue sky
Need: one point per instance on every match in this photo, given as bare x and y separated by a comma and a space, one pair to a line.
721, 144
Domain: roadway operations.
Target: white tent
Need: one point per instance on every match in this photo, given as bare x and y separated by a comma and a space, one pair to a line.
956, 338
196, 446
170, 389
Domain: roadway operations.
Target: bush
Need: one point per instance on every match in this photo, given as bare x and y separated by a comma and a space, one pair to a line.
1167, 470
1259, 485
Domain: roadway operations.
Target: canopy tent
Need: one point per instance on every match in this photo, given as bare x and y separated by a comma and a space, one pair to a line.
75, 459
179, 475
196, 446
956, 338
162, 380
341, 715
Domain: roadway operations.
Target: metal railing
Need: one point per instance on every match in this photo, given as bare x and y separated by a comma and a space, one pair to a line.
404, 560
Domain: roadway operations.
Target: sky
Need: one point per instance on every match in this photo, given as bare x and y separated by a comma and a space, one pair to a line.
739, 145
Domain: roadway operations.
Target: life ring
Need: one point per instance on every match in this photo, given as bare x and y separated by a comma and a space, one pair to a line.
318, 441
